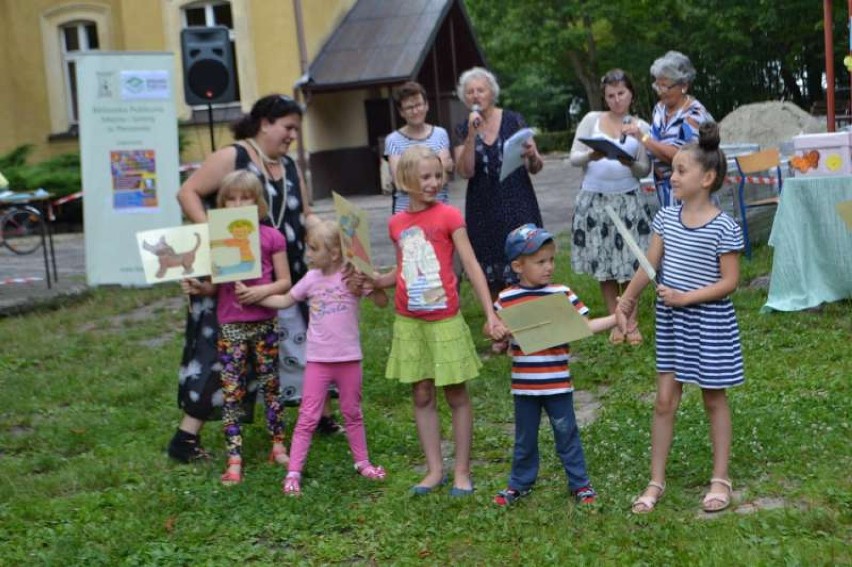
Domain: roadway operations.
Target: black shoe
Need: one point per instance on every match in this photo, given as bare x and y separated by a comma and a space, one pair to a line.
186, 448
328, 426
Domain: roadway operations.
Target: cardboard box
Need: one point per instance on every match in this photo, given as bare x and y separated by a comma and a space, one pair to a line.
820, 155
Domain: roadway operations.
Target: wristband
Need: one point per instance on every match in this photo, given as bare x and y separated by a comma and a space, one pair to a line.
644, 138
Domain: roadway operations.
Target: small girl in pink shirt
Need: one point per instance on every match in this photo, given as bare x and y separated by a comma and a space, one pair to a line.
333, 351
247, 330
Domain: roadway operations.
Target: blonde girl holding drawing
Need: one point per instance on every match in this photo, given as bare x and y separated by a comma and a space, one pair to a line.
247, 330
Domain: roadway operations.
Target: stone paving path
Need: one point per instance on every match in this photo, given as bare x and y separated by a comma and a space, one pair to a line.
556, 186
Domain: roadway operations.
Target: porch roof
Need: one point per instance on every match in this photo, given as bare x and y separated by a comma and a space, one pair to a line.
380, 43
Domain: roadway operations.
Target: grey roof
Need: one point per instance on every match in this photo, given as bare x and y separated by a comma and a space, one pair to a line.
378, 42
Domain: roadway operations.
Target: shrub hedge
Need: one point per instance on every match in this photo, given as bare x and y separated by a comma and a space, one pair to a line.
557, 141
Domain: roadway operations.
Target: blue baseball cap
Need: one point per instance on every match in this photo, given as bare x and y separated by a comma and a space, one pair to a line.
526, 239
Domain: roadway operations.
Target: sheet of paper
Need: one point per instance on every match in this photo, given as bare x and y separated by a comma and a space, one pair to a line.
545, 322
354, 234
631, 243
512, 149
607, 148
844, 209
170, 254
234, 244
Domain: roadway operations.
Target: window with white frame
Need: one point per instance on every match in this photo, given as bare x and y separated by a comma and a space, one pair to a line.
214, 13
74, 38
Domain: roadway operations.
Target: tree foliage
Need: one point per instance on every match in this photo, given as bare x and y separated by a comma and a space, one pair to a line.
547, 53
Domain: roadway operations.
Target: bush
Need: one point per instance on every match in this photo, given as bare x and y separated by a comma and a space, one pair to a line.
559, 141
59, 175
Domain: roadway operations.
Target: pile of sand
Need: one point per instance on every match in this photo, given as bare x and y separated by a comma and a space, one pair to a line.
768, 124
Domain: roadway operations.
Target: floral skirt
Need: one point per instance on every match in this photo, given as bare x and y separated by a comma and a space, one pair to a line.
598, 249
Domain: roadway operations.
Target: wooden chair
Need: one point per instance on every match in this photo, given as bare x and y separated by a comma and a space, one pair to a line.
768, 161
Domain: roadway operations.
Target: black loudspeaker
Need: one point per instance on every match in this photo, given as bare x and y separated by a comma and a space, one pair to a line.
208, 65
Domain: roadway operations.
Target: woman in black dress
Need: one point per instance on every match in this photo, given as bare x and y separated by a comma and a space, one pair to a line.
492, 208
263, 140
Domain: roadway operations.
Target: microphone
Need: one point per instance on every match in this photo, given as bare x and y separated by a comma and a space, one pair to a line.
624, 122
476, 121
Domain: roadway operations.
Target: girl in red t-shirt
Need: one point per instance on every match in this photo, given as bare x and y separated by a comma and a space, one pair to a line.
432, 345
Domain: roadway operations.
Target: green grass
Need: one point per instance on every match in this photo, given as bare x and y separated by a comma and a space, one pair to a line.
89, 405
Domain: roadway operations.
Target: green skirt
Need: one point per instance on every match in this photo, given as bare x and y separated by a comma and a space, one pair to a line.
442, 351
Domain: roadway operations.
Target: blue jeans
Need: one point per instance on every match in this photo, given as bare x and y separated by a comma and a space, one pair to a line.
566, 436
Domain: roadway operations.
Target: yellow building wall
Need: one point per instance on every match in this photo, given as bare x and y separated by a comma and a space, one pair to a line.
271, 48
140, 26
337, 120
7, 95
29, 121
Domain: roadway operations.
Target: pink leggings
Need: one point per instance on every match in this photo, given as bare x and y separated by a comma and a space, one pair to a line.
318, 377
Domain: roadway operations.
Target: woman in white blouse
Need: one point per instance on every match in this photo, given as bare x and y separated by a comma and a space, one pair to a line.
598, 249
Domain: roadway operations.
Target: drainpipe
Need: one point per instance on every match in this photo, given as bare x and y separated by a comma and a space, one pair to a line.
297, 90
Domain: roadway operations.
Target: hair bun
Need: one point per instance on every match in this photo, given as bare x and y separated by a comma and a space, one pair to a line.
708, 136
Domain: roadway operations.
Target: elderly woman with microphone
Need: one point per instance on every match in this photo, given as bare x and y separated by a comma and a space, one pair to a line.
675, 121
598, 249
493, 208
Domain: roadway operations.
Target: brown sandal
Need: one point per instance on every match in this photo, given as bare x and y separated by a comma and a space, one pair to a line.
616, 337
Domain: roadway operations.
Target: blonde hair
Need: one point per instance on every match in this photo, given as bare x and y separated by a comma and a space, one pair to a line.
407, 170
327, 233
242, 182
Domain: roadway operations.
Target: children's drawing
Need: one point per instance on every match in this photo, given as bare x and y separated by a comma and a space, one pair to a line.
169, 258
174, 253
234, 244
354, 234
421, 272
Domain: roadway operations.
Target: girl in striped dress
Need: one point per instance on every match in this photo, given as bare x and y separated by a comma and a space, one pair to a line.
695, 247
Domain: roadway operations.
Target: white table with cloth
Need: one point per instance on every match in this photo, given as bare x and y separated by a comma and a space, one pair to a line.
812, 261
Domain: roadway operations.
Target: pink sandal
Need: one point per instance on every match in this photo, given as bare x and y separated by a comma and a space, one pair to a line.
291, 486
232, 476
369, 470
278, 455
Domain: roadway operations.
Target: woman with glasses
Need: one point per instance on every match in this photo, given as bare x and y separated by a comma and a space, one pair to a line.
413, 107
493, 208
263, 138
598, 250
675, 121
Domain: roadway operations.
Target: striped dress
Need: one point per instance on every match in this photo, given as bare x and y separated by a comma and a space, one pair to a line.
699, 343
546, 372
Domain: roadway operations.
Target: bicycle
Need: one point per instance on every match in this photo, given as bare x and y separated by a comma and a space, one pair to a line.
21, 229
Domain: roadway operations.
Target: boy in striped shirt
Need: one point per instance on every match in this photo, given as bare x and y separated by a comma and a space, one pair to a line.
542, 380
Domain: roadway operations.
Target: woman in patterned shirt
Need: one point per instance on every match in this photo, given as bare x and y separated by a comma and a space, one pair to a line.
675, 120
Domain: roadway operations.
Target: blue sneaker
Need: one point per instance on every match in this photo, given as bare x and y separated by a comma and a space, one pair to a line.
510, 496
585, 495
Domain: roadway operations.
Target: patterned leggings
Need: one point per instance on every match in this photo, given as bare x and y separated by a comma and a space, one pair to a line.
237, 342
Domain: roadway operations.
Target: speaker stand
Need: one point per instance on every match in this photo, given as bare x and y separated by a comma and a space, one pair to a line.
210, 126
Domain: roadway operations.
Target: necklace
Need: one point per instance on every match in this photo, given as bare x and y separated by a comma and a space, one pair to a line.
270, 189
260, 153
678, 108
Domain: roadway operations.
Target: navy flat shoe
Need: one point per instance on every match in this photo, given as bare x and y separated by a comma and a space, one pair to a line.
422, 490
457, 492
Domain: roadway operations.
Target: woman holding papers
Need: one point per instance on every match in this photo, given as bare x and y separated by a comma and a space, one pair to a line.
493, 207
675, 121
598, 249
